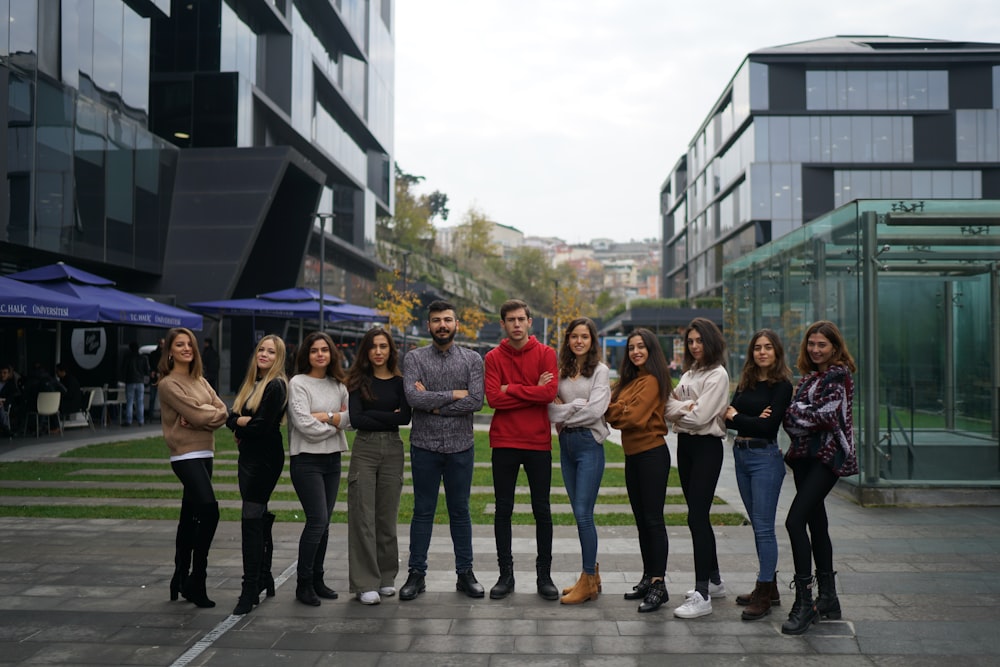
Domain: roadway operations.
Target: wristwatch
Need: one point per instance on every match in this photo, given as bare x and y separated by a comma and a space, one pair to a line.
329, 417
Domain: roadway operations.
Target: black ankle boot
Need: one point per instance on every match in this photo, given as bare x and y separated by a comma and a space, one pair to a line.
827, 602
505, 584
640, 589
803, 612
305, 592
546, 588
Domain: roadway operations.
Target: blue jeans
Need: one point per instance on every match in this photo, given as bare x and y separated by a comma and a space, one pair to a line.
759, 473
429, 469
135, 394
582, 459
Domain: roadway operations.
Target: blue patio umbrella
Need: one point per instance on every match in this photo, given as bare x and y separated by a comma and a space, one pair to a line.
28, 301
114, 305
265, 305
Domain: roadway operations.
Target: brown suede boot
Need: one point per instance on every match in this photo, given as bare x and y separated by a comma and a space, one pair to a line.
744, 600
760, 602
597, 574
585, 589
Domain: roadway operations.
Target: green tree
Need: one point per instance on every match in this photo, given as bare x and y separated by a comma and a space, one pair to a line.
473, 241
412, 226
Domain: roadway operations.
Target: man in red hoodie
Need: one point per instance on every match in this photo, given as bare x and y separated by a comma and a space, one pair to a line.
520, 383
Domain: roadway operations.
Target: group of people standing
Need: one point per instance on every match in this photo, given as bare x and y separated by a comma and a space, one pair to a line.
531, 389
818, 418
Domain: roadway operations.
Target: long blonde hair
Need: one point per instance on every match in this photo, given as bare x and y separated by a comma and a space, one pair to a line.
251, 390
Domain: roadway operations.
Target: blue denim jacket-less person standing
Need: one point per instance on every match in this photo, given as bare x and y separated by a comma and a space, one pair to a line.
760, 466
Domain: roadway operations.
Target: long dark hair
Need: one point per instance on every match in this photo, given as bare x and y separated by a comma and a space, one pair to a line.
713, 345
656, 365
333, 370
829, 330
778, 372
359, 377
567, 358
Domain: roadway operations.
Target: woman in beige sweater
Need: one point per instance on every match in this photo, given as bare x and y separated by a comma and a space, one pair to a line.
190, 412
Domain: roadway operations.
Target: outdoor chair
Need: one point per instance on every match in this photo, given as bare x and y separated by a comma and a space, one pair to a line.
82, 418
47, 406
114, 401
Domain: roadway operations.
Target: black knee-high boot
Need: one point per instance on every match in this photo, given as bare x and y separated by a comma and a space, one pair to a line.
183, 543
253, 555
266, 578
206, 519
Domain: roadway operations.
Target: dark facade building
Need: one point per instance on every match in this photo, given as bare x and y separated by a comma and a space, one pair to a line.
805, 128
184, 149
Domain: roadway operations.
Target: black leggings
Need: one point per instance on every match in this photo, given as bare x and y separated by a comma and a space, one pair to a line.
699, 464
646, 476
538, 469
196, 477
813, 483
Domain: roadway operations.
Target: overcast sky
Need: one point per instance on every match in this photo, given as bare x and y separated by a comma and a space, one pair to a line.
564, 117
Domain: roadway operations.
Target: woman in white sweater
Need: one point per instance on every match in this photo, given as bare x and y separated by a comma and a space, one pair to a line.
317, 418
578, 414
697, 409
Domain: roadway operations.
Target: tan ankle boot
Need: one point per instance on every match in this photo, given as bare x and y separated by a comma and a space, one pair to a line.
597, 574
585, 589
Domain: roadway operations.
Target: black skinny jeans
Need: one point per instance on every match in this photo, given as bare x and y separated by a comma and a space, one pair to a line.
646, 480
538, 468
699, 464
196, 478
813, 483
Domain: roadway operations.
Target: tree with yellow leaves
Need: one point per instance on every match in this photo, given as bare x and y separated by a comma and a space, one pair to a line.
470, 321
394, 302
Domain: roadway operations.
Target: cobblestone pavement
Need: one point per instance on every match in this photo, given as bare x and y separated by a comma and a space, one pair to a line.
919, 586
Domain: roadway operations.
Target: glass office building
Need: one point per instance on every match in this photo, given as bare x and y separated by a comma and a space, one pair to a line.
915, 287
184, 149
805, 128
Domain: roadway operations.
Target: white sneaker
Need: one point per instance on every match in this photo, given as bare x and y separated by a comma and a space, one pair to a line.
714, 590
369, 597
694, 607
387, 591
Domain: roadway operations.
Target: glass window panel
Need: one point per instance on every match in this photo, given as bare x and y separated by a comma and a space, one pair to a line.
5, 34
778, 144
135, 73
799, 144
921, 181
781, 192
902, 184
941, 184
760, 186
840, 135
937, 89
996, 87
962, 185
881, 139
878, 90
759, 96
861, 139
762, 130
857, 90
815, 90
108, 44
917, 92
23, 24
906, 138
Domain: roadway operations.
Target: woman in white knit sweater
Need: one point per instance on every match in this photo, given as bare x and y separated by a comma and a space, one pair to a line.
578, 414
697, 408
317, 418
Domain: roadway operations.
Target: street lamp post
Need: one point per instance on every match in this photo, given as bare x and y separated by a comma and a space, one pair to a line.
406, 255
323, 217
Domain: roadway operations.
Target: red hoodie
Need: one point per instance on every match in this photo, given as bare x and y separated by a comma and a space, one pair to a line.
521, 417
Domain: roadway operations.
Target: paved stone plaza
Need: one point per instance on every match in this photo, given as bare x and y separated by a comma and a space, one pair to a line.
919, 586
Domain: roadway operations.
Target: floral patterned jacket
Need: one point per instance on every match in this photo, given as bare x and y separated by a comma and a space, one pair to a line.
820, 420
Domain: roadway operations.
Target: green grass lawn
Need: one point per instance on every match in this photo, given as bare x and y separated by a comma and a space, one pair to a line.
150, 454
